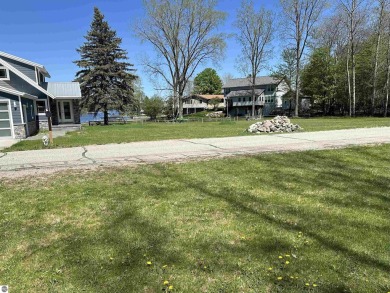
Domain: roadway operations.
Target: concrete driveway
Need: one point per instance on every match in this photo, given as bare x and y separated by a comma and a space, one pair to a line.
5, 143
51, 160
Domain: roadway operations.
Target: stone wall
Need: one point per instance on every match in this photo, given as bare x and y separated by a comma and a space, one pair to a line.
20, 131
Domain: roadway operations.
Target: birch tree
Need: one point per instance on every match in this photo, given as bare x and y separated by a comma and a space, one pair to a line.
353, 21
300, 19
183, 33
382, 5
255, 30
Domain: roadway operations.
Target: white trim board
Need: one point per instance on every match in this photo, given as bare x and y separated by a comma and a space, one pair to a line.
25, 78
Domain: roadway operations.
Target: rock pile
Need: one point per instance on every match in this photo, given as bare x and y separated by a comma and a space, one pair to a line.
278, 124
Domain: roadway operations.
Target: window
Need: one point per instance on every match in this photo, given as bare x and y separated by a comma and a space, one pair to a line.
239, 99
41, 78
41, 107
4, 73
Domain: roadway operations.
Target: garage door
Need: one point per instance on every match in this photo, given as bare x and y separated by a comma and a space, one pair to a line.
5, 122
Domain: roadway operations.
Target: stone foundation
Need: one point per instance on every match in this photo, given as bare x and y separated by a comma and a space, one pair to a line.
20, 131
43, 125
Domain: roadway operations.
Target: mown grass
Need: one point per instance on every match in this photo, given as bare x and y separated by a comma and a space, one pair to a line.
159, 131
215, 226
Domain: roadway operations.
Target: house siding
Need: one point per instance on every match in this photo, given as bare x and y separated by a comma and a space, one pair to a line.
26, 69
16, 117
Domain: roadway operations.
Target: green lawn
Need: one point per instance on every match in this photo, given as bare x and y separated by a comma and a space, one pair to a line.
159, 131
231, 225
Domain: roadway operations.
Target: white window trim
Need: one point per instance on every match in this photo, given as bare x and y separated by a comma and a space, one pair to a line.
36, 108
7, 72
10, 117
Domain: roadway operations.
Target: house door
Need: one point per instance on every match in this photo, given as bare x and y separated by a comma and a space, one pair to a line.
65, 111
5, 120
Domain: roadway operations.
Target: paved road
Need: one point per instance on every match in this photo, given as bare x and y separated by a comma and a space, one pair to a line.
50, 160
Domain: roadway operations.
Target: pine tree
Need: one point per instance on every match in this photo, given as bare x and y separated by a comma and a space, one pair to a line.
106, 80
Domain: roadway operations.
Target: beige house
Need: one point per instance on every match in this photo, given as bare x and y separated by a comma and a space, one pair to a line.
198, 103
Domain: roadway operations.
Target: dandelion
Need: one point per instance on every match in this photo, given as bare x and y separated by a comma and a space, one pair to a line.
287, 255
291, 277
307, 284
149, 263
280, 257
111, 258
270, 269
164, 266
280, 278
287, 262
314, 285
166, 282
170, 287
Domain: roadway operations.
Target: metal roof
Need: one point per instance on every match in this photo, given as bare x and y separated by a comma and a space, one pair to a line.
63, 89
243, 82
244, 93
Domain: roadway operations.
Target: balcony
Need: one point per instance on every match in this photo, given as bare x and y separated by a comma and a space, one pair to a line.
247, 103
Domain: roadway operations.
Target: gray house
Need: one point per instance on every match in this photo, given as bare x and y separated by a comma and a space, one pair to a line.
269, 96
25, 96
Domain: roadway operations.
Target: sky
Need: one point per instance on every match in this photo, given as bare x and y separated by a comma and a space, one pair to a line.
49, 31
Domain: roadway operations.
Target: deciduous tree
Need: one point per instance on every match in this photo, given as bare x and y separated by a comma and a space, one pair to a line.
255, 35
207, 82
182, 32
300, 19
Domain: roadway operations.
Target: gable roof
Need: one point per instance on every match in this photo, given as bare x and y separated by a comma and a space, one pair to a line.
205, 97
63, 89
25, 61
244, 93
243, 82
25, 78
17, 93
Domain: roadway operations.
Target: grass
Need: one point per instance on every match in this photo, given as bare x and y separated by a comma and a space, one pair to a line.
159, 131
215, 226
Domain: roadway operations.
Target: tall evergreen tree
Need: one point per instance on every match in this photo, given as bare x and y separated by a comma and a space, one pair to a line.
105, 78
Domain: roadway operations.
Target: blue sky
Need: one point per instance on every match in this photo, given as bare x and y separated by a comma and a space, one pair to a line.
49, 31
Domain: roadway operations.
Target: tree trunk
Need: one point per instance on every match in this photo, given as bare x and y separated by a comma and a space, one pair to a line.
297, 81
105, 117
253, 94
349, 84
387, 77
353, 82
378, 41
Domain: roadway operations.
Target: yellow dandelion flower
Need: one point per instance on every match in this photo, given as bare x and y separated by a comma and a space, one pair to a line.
280, 278
287, 262
170, 287
307, 284
149, 263
314, 285
166, 282
164, 266
270, 269
291, 277
111, 258
287, 255
280, 257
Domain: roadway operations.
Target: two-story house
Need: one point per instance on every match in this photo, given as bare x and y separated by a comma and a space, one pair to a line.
25, 97
269, 92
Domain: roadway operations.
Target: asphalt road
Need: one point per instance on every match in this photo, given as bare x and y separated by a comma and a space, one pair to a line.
51, 160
